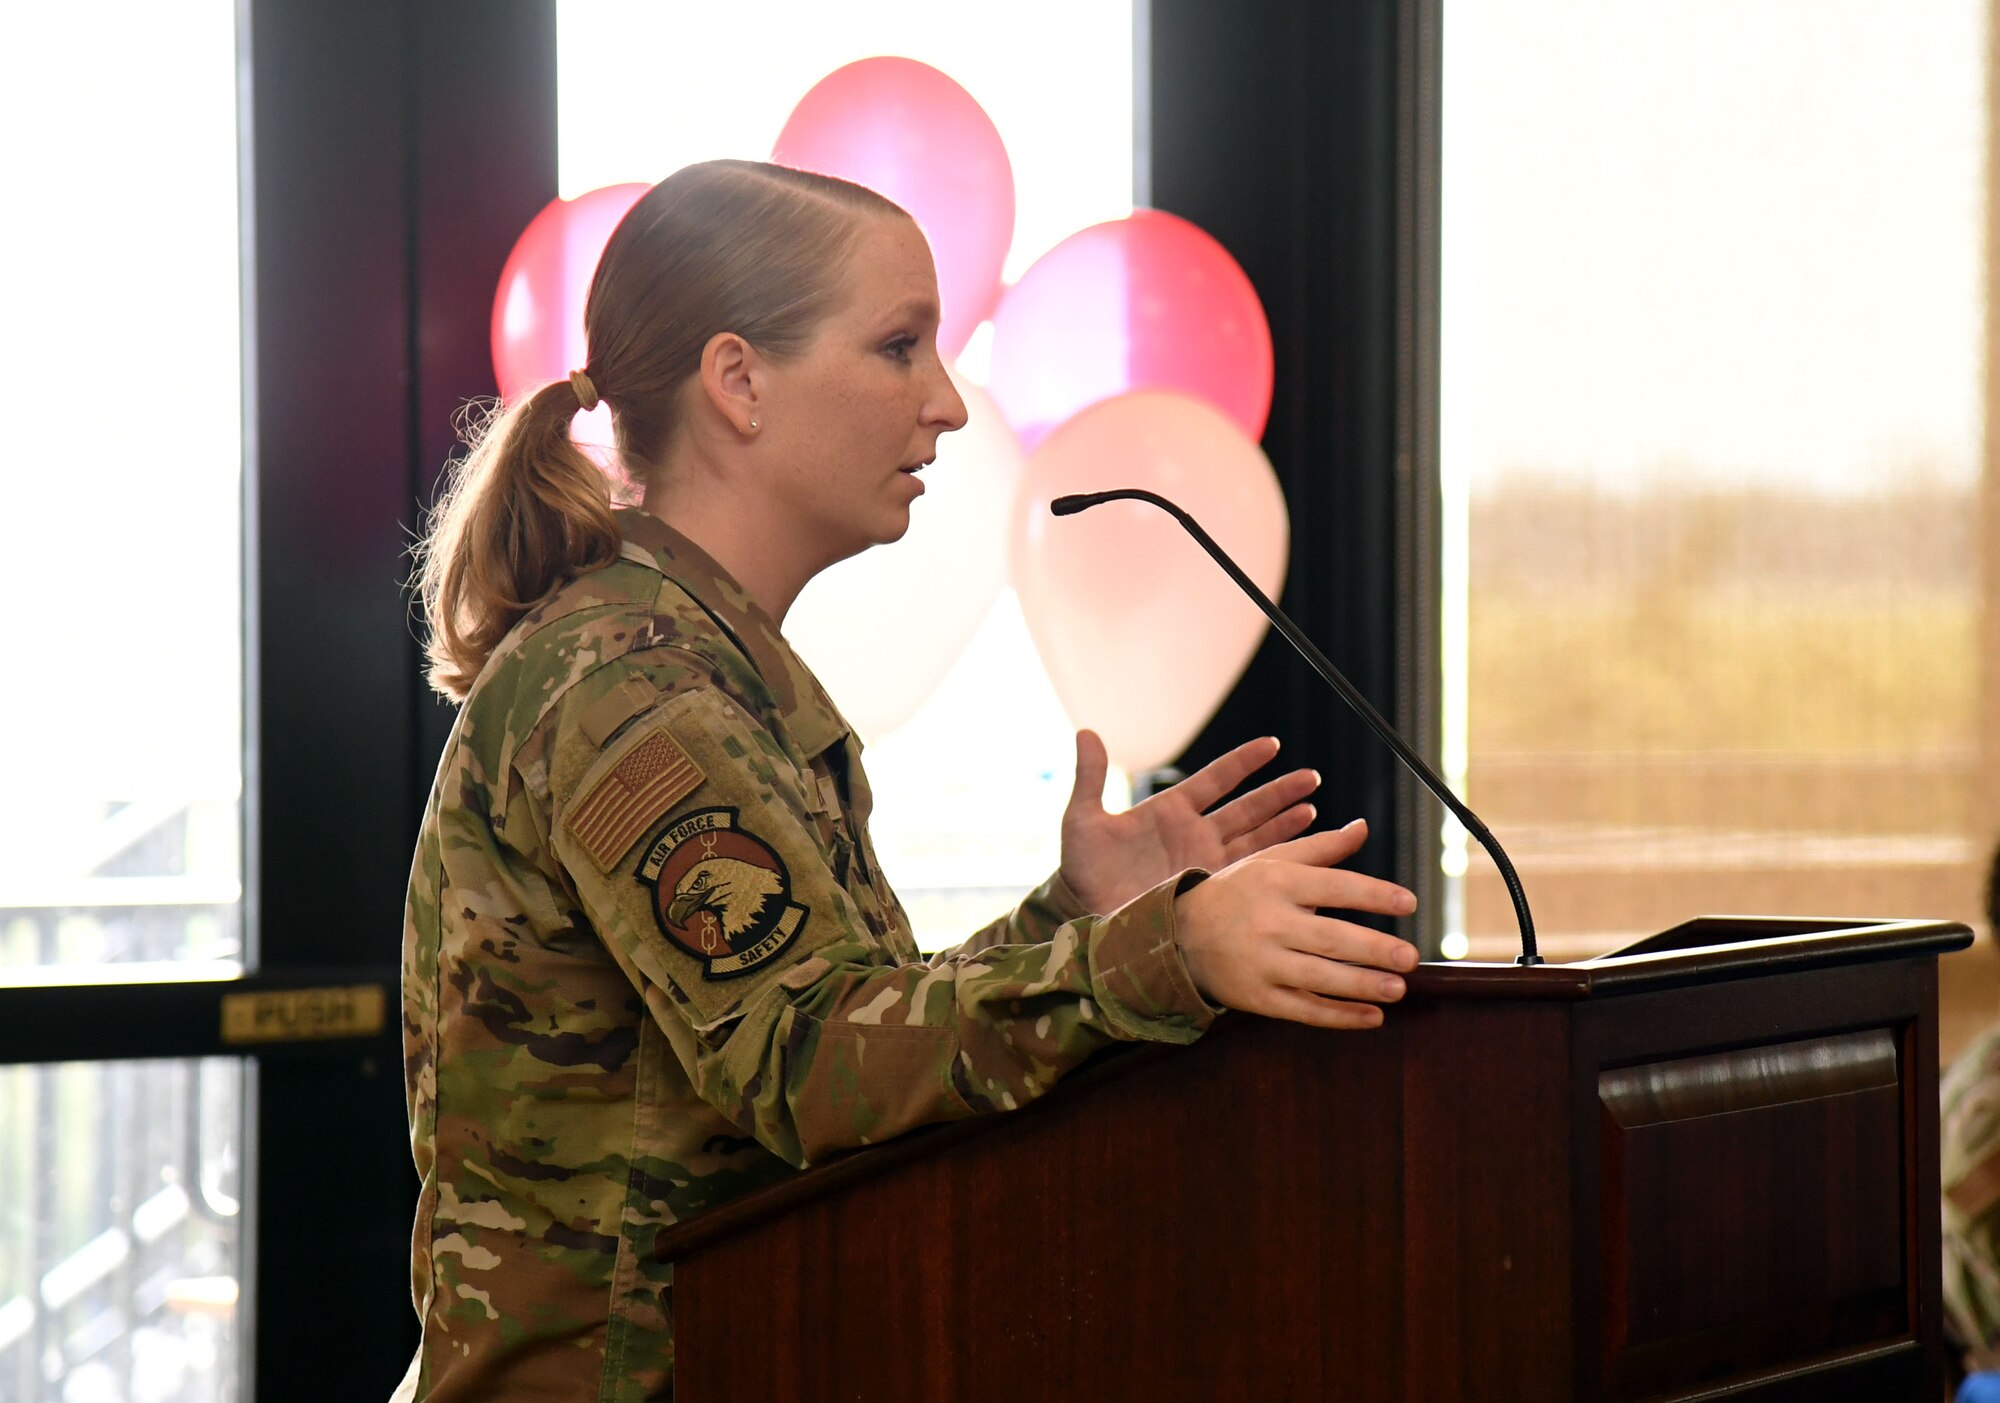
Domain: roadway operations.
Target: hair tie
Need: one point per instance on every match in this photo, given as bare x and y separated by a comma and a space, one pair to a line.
586, 393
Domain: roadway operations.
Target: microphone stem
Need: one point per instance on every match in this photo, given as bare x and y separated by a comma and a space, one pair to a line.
1325, 668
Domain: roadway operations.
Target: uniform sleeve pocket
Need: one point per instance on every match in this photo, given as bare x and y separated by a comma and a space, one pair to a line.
868, 1082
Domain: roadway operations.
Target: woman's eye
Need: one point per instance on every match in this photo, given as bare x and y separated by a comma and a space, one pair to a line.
901, 346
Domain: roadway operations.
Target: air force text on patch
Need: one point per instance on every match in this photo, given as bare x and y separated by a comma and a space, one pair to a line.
721, 894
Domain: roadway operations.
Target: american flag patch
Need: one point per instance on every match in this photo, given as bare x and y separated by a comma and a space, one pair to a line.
654, 775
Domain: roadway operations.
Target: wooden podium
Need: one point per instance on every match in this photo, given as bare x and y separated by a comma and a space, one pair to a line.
1703, 1167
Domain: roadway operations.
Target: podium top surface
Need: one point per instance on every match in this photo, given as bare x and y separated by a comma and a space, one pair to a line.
1704, 950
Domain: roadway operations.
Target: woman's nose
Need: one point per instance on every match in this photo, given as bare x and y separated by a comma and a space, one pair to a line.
947, 406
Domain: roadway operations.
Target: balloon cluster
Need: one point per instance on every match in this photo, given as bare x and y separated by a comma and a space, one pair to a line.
1134, 353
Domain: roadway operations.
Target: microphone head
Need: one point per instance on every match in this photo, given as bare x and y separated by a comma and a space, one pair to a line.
1083, 501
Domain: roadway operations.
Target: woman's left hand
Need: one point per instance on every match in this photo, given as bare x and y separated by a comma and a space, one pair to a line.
1107, 859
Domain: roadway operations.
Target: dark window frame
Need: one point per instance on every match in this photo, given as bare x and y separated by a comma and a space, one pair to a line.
1304, 137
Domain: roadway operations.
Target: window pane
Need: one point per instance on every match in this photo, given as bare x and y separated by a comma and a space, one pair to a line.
120, 600
1713, 298
969, 792
120, 1256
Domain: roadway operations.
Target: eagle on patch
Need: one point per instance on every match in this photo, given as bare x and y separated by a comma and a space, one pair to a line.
721, 894
728, 889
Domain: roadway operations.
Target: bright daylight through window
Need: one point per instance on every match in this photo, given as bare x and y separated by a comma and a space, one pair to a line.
1712, 300
120, 855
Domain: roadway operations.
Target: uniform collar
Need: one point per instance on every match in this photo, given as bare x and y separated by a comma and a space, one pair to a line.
802, 704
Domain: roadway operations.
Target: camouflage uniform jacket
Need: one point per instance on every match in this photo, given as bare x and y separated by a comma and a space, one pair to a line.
650, 963
1969, 1161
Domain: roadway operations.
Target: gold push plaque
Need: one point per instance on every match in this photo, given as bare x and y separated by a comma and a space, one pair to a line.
302, 1015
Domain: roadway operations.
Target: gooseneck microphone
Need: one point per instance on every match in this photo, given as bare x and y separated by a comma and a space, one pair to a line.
1083, 501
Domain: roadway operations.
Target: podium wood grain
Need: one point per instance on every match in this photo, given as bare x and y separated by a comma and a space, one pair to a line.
1698, 1170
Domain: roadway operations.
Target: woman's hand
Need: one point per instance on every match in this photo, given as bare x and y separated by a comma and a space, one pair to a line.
1107, 859
1253, 939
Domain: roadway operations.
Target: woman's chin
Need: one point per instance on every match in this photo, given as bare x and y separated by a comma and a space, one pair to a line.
897, 528
890, 526
885, 530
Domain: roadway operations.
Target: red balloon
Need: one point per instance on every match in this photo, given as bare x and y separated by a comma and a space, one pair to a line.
1148, 302
538, 307
909, 132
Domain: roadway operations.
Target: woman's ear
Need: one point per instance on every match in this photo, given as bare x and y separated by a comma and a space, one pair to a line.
731, 376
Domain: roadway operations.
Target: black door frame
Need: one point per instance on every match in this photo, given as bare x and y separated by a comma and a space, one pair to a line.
396, 150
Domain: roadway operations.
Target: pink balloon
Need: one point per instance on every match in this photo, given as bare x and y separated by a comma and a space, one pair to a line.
1142, 634
1149, 302
909, 132
538, 307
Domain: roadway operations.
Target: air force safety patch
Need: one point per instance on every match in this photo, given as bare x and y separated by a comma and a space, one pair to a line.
721, 894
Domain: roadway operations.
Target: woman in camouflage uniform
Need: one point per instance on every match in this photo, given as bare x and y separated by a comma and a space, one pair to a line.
650, 961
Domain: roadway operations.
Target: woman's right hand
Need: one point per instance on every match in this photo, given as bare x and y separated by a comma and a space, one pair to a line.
1252, 937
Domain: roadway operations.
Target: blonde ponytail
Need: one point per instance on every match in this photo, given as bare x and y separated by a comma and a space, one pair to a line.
522, 512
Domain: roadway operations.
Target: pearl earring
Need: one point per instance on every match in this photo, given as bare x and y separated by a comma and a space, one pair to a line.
753, 423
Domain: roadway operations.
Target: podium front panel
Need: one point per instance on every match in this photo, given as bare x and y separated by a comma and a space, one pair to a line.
1753, 1220
1793, 1245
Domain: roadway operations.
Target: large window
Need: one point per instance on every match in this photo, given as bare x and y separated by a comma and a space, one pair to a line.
969, 792
120, 595
121, 623
1712, 434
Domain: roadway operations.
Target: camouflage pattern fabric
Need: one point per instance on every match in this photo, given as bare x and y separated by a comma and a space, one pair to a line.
650, 963
1969, 1161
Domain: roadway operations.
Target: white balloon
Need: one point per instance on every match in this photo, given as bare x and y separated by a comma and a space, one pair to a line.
883, 628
